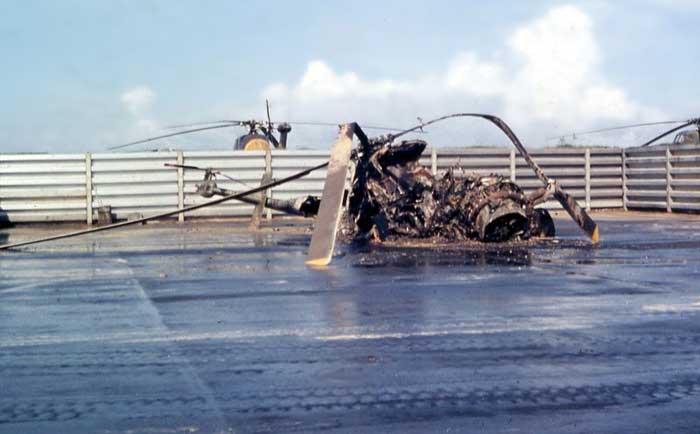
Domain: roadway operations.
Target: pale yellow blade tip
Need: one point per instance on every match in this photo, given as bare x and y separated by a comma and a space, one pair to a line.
595, 236
320, 262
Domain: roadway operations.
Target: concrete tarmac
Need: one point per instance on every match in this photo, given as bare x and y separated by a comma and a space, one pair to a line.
207, 327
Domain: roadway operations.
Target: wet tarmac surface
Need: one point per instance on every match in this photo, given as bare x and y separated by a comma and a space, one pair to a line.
205, 327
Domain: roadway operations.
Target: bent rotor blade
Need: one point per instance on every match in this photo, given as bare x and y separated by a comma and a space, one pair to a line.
328, 217
580, 216
567, 201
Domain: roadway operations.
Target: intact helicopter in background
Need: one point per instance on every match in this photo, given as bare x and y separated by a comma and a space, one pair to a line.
687, 137
260, 135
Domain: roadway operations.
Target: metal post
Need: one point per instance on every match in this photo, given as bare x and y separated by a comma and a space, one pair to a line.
433, 161
588, 178
623, 164
262, 197
180, 186
88, 187
512, 165
268, 170
669, 204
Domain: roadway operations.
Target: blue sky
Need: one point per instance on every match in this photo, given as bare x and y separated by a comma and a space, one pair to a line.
84, 75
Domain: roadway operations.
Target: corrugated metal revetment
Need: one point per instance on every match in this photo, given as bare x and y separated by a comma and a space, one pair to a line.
134, 183
71, 187
664, 177
43, 187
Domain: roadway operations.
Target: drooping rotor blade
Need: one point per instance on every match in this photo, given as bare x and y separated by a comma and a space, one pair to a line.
164, 136
620, 127
584, 221
233, 196
580, 216
673, 130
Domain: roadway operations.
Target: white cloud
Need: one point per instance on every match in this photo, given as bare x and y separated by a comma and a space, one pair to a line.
558, 49
320, 82
467, 73
550, 83
138, 100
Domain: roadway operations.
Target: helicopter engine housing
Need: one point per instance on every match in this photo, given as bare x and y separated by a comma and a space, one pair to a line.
252, 142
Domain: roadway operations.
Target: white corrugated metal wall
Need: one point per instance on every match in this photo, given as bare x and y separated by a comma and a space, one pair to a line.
36, 187
663, 177
134, 183
54, 187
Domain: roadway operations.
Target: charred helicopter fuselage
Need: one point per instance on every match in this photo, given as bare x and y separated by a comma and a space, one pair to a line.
394, 196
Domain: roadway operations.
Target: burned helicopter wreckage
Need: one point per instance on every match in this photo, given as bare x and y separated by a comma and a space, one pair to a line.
393, 197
